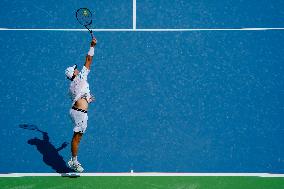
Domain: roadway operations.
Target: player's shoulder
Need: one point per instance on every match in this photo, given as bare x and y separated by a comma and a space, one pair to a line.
84, 72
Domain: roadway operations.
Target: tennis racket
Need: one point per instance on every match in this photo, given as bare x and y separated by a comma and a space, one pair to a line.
84, 17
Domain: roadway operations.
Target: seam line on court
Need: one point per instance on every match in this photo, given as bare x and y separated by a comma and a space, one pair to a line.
134, 15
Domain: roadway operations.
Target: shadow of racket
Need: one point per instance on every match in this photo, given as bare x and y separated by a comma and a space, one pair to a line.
30, 127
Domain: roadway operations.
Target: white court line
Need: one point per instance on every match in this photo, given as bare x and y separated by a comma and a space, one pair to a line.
146, 174
134, 15
141, 30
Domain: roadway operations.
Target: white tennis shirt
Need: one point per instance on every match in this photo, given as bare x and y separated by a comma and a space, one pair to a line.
79, 87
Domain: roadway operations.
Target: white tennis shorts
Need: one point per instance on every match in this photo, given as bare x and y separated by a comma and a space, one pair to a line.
79, 120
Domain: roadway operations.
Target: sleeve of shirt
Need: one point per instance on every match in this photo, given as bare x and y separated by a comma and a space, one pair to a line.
84, 73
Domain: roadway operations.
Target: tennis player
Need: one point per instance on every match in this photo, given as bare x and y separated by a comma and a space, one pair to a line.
81, 97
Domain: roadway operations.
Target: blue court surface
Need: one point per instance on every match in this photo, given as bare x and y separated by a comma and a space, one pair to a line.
202, 101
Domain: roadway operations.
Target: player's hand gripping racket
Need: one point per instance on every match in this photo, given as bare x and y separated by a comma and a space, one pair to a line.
84, 17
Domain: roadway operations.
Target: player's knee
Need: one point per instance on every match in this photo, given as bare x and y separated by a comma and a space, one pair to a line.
77, 137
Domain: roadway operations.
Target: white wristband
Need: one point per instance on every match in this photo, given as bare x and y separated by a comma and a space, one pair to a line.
91, 51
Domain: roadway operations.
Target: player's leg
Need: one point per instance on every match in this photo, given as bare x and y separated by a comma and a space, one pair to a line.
74, 163
75, 143
80, 124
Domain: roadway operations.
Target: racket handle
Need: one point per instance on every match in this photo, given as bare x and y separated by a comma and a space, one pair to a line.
91, 32
92, 35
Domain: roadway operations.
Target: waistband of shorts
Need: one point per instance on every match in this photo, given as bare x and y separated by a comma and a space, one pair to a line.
78, 109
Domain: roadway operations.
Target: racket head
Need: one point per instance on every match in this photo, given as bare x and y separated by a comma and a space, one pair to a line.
84, 16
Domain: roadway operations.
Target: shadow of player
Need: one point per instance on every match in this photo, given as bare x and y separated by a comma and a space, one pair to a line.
51, 156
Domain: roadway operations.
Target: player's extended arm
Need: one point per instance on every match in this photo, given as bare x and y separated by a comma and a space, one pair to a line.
89, 57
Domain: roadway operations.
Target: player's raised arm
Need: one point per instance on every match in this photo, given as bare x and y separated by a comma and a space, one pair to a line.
89, 57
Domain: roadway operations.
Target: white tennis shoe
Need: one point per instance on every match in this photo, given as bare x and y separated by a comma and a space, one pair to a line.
76, 166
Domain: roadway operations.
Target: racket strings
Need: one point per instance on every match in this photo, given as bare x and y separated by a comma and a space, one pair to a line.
84, 16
